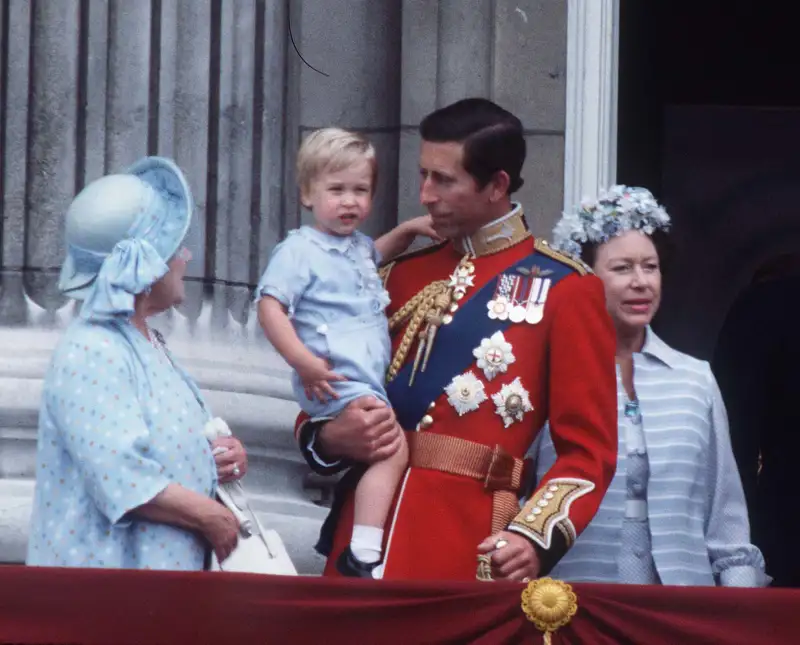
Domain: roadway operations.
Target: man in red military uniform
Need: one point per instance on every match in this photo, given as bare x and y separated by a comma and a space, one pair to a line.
494, 334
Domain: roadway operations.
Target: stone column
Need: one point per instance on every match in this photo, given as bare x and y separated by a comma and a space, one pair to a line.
591, 127
184, 114
511, 52
51, 167
357, 44
15, 71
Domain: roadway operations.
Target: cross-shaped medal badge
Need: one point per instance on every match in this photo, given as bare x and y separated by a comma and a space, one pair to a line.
462, 279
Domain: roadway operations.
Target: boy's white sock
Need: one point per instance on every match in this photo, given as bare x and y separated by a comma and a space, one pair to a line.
366, 543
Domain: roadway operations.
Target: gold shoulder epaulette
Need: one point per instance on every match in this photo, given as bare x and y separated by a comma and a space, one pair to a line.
571, 261
385, 269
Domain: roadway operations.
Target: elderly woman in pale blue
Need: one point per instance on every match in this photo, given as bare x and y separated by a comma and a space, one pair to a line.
675, 512
125, 475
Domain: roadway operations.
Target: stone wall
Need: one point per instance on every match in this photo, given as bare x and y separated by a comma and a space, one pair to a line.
88, 86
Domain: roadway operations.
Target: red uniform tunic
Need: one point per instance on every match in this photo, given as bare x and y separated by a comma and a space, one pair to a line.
566, 365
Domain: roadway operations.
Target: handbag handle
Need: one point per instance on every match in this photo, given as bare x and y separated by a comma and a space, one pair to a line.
245, 525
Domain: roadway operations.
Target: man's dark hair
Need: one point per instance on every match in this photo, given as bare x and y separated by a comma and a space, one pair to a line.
492, 137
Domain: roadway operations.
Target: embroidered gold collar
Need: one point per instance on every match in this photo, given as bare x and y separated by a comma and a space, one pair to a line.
497, 236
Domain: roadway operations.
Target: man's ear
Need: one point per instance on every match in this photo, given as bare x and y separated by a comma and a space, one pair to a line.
498, 186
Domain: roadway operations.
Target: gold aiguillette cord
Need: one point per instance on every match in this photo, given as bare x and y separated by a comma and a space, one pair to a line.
432, 307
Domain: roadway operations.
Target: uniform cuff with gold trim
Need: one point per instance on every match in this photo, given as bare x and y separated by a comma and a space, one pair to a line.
544, 519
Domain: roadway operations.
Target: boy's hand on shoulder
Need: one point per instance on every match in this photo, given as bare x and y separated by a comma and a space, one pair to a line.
422, 225
317, 376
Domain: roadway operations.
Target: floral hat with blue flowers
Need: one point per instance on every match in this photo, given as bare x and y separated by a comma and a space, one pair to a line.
615, 211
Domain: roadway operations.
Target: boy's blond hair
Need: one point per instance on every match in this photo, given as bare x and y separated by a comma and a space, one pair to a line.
332, 150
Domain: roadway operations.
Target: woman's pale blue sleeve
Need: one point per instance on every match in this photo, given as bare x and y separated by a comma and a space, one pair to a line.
735, 561
93, 403
288, 274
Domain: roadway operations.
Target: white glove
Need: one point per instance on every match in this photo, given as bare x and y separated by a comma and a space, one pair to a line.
216, 428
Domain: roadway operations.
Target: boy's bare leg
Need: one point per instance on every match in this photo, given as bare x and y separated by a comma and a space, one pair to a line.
374, 495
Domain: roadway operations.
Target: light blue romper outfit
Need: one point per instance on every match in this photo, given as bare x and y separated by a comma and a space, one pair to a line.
117, 424
336, 301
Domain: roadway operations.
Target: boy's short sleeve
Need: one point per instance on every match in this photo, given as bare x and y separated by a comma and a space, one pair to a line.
287, 274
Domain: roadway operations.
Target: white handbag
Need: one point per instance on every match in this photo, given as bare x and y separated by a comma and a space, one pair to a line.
258, 550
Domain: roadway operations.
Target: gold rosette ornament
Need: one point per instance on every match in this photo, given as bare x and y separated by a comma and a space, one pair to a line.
549, 604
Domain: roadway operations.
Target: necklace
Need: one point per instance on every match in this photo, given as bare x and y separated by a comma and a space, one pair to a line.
156, 340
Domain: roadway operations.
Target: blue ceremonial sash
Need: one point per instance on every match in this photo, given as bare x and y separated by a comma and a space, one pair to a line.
452, 350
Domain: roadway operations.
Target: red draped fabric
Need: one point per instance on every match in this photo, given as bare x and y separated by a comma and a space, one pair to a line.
131, 607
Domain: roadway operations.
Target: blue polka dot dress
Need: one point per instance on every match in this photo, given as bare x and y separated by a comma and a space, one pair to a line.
118, 422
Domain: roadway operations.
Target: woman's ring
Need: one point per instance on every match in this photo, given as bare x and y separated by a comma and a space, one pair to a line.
236, 471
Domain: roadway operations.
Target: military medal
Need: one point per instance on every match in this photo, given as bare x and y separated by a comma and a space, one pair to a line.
512, 402
461, 279
504, 294
494, 355
465, 393
498, 308
534, 312
517, 312
521, 297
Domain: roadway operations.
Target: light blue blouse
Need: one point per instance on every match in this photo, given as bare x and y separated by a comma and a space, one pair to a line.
336, 300
118, 423
695, 504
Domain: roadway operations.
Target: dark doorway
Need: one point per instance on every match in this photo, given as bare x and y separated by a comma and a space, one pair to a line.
709, 120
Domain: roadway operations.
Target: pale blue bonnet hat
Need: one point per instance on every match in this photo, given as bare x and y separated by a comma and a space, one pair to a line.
121, 230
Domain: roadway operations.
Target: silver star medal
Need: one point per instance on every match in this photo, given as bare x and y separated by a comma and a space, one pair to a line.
494, 355
512, 402
465, 393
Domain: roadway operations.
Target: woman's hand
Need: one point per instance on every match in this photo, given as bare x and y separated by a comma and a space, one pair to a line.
187, 509
230, 457
221, 528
